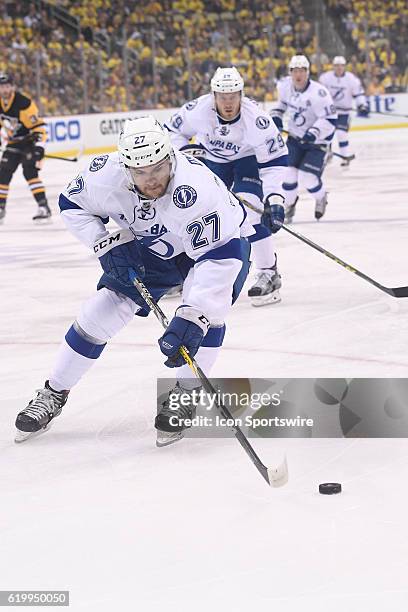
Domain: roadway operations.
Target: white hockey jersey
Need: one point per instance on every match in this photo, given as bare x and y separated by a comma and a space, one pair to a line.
344, 90
251, 133
196, 215
311, 109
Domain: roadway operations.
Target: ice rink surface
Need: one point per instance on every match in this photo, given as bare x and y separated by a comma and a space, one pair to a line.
94, 507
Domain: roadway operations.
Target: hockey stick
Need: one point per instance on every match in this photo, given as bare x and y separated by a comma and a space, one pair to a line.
318, 147
388, 114
397, 292
68, 159
276, 477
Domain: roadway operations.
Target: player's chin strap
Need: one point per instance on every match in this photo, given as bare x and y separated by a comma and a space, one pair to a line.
276, 477
397, 292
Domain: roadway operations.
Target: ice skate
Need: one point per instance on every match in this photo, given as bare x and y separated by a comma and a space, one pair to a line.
169, 421
345, 163
290, 212
265, 290
43, 213
320, 207
41, 410
2, 213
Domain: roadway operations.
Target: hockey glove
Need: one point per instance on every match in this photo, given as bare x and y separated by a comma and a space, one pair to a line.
38, 153
363, 110
309, 138
274, 212
118, 254
196, 150
187, 328
278, 122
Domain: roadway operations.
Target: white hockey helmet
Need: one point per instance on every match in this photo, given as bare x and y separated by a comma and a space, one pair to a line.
143, 142
299, 61
227, 80
339, 60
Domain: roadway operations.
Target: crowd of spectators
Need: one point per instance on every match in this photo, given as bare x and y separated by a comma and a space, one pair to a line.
377, 31
134, 54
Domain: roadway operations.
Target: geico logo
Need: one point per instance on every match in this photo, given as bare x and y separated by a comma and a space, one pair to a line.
63, 130
106, 242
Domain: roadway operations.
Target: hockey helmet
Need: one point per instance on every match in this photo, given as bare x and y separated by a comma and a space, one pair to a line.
299, 61
143, 142
227, 80
6, 79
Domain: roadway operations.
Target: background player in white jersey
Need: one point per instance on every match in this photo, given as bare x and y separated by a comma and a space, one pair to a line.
344, 87
311, 126
242, 146
178, 223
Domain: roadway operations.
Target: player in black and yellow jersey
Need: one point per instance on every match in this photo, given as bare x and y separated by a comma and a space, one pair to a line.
25, 138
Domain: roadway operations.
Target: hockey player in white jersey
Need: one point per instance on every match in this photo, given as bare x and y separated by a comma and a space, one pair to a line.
311, 126
178, 222
345, 89
241, 145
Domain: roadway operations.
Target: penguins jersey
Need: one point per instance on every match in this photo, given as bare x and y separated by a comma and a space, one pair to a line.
19, 117
311, 109
197, 215
251, 133
344, 90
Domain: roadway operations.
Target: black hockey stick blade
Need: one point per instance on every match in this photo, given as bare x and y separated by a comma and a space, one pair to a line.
397, 291
275, 477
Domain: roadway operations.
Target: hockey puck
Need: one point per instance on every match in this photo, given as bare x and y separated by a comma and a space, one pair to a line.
329, 488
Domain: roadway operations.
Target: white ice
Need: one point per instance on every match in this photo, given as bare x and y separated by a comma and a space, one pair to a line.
94, 507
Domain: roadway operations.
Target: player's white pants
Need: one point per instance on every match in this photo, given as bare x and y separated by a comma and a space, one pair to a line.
263, 251
294, 178
343, 140
100, 319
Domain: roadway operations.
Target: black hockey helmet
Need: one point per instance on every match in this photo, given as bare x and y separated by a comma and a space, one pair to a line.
6, 79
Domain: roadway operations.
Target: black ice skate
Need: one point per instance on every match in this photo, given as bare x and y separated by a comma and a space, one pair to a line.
290, 212
266, 287
39, 413
2, 213
345, 163
320, 207
43, 212
170, 420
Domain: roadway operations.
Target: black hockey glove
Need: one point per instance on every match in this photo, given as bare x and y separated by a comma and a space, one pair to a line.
38, 153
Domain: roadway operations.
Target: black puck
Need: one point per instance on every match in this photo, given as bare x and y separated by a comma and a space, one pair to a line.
329, 488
